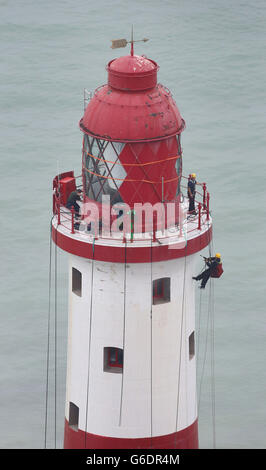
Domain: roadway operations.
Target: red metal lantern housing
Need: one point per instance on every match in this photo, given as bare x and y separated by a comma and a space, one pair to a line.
132, 130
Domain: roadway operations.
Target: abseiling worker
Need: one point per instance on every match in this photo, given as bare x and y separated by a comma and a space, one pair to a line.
72, 200
191, 192
214, 269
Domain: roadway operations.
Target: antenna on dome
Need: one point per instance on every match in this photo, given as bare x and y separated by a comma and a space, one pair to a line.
132, 42
116, 43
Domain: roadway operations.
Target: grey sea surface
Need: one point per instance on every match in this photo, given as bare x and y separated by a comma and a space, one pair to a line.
211, 55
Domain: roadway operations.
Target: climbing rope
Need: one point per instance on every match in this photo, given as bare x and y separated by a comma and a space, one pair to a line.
211, 300
151, 352
211, 307
55, 340
49, 337
124, 327
210, 338
204, 360
181, 339
89, 346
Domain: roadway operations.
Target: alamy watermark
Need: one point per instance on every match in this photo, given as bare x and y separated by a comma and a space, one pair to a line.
142, 222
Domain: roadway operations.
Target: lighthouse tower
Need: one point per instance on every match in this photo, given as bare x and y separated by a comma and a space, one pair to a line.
131, 367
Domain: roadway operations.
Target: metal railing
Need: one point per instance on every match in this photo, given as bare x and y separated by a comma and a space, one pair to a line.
70, 220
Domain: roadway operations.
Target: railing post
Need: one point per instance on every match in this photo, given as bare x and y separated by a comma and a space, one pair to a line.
72, 219
58, 212
204, 195
131, 213
199, 209
208, 206
154, 227
132, 226
180, 220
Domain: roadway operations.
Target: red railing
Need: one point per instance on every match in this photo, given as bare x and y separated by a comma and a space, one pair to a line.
69, 216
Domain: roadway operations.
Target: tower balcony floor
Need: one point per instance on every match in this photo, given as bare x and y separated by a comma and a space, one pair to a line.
192, 234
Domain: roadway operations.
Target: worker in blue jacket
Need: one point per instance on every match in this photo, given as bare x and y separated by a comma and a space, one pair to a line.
72, 201
191, 192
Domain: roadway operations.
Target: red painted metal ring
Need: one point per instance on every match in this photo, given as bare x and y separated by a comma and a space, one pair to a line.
116, 254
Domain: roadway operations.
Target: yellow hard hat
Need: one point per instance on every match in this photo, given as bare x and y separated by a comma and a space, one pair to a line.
193, 175
218, 255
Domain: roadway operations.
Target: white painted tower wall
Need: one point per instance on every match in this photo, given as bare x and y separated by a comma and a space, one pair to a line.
155, 394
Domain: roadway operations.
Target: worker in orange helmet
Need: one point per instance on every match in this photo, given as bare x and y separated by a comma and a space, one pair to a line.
214, 269
191, 192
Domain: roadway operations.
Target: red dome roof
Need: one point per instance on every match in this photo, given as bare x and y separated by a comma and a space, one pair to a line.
132, 107
132, 64
132, 73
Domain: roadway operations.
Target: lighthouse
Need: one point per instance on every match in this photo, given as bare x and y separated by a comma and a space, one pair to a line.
133, 249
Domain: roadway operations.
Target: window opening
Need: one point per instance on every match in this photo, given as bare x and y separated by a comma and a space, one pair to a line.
191, 343
73, 416
113, 360
76, 282
161, 290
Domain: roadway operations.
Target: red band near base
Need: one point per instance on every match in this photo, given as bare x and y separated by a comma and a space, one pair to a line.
185, 439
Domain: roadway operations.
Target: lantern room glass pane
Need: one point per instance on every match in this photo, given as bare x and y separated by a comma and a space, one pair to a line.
103, 171
111, 152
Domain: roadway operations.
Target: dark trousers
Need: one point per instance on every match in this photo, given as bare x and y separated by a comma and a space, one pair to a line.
204, 276
75, 205
191, 208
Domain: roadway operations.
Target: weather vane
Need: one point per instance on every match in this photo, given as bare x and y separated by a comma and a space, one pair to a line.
123, 42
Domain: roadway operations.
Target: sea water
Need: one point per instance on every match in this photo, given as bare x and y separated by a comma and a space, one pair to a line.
211, 55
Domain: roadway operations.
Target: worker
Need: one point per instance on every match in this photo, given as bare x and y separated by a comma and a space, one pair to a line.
72, 201
191, 191
214, 269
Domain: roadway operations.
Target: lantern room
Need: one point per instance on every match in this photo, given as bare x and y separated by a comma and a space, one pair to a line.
132, 128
